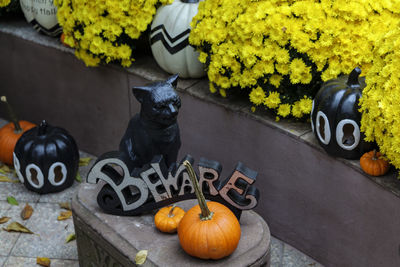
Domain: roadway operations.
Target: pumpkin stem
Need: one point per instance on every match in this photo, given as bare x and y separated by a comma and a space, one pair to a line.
13, 116
352, 81
206, 214
42, 128
171, 211
374, 157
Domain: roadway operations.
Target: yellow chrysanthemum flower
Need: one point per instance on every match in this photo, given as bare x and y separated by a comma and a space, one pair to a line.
257, 96
284, 110
273, 100
103, 31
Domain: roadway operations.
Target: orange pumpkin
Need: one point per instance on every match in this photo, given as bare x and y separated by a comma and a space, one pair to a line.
10, 133
208, 230
374, 164
167, 219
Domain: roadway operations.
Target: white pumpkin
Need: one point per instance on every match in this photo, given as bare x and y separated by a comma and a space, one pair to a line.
42, 14
169, 39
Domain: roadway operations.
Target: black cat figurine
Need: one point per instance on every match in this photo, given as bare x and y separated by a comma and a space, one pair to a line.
155, 130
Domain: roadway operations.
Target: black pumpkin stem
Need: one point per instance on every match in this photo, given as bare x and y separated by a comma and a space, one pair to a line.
206, 214
12, 115
352, 81
42, 128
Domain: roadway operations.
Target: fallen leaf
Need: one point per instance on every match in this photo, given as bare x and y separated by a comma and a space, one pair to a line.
64, 215
84, 161
26, 213
141, 257
5, 169
17, 227
78, 177
11, 200
43, 261
5, 179
70, 237
65, 205
4, 219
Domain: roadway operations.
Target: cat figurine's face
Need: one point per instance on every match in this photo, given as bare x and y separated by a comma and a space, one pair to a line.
160, 102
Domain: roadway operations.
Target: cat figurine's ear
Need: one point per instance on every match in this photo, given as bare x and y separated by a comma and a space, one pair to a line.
140, 92
173, 80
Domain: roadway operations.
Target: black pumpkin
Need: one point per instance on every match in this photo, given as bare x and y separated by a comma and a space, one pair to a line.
335, 118
46, 159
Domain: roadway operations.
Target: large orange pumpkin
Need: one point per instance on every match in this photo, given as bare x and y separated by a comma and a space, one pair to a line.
208, 230
168, 218
10, 133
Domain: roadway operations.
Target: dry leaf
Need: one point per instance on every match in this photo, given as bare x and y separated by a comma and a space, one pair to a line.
141, 257
26, 213
84, 161
4, 219
11, 200
64, 215
65, 205
70, 237
5, 179
5, 169
78, 177
17, 227
43, 261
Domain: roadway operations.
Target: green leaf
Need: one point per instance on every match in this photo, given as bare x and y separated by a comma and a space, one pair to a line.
84, 161
70, 237
78, 177
11, 200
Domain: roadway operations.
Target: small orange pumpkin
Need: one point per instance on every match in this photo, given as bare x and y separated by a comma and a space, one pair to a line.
167, 219
373, 163
208, 230
10, 133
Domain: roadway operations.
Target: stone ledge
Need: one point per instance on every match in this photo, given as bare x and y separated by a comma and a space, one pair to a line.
147, 68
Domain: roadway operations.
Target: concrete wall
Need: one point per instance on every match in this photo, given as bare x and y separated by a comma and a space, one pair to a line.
320, 205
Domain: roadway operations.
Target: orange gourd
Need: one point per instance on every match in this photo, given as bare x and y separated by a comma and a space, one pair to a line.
373, 164
10, 133
167, 219
208, 230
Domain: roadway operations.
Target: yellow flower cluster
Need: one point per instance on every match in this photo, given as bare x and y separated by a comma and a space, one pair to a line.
4, 3
105, 30
285, 48
380, 103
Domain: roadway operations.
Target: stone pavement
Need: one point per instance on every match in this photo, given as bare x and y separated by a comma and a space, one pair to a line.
49, 240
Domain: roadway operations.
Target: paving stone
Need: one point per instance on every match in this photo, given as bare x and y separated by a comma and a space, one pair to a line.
51, 235
18, 191
2, 260
276, 252
8, 239
63, 196
4, 206
23, 262
294, 258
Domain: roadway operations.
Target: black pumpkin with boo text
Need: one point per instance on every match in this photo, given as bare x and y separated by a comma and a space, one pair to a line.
335, 118
46, 159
